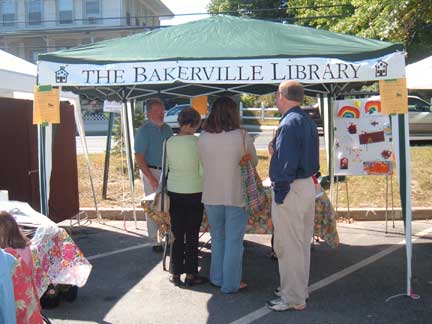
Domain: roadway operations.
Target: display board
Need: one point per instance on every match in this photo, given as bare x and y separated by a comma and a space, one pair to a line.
363, 138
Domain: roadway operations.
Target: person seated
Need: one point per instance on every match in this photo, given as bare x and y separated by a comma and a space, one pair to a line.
7, 298
16, 244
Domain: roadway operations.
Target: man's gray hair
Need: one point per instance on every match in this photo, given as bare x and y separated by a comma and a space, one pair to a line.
292, 90
154, 101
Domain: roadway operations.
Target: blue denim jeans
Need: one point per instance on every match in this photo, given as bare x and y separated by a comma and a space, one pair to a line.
227, 228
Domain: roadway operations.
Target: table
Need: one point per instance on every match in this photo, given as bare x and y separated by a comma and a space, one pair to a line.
56, 258
325, 226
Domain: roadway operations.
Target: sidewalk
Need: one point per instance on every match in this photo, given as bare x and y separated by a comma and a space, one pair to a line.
259, 128
356, 214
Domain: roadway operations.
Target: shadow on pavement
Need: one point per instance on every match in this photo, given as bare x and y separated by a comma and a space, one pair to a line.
112, 277
131, 287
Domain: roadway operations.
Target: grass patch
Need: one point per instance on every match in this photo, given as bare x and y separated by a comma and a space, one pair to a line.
364, 191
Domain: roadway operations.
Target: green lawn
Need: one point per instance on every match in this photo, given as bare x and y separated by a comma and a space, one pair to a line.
363, 191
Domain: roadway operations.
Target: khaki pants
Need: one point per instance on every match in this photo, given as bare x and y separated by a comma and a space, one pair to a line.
293, 229
152, 227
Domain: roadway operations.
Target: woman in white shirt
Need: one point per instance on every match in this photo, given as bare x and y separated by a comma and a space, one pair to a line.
221, 149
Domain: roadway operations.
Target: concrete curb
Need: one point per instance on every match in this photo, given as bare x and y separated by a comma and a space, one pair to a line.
259, 127
358, 214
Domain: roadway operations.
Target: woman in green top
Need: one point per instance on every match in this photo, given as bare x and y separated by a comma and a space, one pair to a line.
185, 191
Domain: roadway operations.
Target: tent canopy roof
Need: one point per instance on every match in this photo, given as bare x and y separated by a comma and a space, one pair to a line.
419, 74
222, 37
12, 63
220, 55
17, 75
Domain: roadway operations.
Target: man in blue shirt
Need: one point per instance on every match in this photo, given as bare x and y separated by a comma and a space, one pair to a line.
148, 155
294, 160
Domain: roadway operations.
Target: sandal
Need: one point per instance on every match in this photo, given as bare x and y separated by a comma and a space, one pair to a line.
243, 285
175, 279
195, 280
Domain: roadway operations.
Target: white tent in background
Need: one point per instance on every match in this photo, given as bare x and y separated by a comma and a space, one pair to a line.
419, 74
17, 76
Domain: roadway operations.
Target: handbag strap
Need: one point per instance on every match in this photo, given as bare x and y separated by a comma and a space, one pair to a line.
245, 151
163, 178
164, 172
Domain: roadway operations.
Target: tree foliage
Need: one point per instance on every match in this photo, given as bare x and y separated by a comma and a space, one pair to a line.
260, 9
405, 21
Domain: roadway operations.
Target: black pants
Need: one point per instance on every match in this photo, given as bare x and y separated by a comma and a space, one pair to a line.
186, 212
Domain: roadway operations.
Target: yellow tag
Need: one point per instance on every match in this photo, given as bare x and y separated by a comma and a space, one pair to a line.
46, 106
200, 104
394, 96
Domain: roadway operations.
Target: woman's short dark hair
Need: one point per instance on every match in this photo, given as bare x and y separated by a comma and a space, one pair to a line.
224, 116
10, 234
189, 116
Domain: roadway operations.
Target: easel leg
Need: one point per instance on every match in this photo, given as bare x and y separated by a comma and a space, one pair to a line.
337, 195
392, 202
386, 203
347, 196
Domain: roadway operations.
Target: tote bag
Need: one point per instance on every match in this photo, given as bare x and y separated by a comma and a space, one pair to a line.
253, 190
161, 201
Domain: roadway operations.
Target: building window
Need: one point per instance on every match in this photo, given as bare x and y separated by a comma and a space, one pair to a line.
8, 12
34, 12
92, 11
34, 56
65, 11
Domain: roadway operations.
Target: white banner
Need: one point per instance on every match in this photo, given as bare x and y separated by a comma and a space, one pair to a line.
259, 71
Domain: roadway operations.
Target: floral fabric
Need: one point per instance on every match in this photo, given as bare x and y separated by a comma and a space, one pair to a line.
26, 298
260, 223
325, 222
57, 259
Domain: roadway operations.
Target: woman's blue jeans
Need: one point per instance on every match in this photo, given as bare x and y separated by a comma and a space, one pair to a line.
227, 228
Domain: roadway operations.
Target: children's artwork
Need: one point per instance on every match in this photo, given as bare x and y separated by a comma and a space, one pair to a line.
352, 128
386, 154
372, 107
369, 138
348, 112
363, 137
378, 167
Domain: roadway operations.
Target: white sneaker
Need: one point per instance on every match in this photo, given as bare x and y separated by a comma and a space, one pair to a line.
278, 305
273, 302
277, 292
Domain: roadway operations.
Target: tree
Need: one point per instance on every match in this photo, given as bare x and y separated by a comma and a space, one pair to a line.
260, 9
405, 21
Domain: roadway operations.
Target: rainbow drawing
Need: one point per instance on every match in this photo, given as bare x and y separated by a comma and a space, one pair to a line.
373, 107
349, 112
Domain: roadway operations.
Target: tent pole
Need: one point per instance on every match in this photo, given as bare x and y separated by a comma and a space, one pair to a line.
330, 141
128, 133
405, 192
107, 155
42, 171
80, 127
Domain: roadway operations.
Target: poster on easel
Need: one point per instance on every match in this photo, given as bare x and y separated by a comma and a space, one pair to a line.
363, 138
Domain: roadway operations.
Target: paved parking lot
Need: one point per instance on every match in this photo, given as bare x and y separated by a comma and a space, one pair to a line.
349, 284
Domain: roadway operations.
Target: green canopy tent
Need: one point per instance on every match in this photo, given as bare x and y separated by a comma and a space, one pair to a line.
225, 55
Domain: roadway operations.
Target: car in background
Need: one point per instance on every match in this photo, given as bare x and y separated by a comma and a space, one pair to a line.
420, 116
171, 116
314, 113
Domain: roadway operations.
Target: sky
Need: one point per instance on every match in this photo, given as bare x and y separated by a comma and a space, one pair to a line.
185, 6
